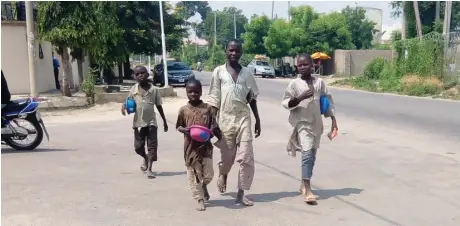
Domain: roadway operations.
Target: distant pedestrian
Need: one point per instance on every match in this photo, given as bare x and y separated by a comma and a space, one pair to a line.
146, 96
56, 67
302, 99
197, 155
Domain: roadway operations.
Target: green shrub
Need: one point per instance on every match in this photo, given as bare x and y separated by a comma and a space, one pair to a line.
374, 68
389, 78
88, 86
364, 83
422, 89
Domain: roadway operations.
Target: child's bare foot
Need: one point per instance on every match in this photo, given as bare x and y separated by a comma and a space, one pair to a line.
310, 198
144, 165
242, 200
150, 174
206, 192
201, 206
222, 183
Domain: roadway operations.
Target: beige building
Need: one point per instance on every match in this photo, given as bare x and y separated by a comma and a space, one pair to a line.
15, 63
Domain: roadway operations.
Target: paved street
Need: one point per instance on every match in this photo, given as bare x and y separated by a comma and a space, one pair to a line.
389, 166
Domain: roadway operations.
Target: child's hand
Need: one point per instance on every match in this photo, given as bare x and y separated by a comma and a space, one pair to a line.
123, 109
217, 133
184, 130
165, 125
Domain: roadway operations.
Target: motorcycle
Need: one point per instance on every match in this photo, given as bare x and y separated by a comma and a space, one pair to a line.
12, 133
199, 69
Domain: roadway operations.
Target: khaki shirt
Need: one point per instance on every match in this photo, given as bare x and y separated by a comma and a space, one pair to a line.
230, 98
145, 105
307, 115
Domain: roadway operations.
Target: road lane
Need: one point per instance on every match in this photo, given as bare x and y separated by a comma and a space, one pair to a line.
438, 117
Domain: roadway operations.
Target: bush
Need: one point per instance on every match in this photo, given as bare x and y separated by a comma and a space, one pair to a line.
389, 79
374, 68
364, 83
415, 85
88, 86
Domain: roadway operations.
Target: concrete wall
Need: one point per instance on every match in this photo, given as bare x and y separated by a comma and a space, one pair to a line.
15, 63
352, 62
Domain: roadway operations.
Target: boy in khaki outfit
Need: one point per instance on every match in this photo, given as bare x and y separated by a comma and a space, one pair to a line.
145, 125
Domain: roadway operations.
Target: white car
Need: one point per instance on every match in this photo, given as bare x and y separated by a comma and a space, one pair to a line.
262, 68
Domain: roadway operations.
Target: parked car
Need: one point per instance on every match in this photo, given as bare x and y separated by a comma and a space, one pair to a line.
178, 74
262, 68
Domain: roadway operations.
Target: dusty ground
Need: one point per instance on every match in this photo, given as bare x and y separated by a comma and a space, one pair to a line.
373, 173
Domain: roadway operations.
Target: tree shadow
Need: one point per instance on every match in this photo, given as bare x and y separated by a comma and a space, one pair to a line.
331, 193
14, 151
170, 174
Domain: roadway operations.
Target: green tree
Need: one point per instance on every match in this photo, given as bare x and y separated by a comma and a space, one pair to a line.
395, 35
75, 25
360, 28
278, 40
330, 32
224, 26
188, 9
303, 16
256, 30
427, 16
140, 22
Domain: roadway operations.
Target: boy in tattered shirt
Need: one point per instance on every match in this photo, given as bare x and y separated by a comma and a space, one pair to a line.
197, 155
302, 98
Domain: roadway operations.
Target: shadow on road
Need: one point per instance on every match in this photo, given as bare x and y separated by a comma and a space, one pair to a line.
330, 193
171, 174
13, 151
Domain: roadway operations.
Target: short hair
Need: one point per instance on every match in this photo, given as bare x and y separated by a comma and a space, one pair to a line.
193, 82
238, 42
140, 66
305, 55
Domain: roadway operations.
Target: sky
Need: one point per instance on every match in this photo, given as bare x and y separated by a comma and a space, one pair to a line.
281, 9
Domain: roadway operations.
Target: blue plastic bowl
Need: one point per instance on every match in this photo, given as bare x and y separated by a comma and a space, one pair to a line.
130, 105
324, 104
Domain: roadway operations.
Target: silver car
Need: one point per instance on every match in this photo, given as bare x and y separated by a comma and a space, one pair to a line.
262, 68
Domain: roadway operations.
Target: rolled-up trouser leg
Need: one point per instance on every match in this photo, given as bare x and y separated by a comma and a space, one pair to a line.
139, 142
152, 143
200, 174
308, 163
208, 170
194, 180
245, 158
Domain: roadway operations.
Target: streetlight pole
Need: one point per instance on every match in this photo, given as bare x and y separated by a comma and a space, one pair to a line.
215, 28
234, 25
163, 45
30, 26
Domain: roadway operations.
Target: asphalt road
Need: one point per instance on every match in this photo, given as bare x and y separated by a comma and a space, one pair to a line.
413, 114
88, 175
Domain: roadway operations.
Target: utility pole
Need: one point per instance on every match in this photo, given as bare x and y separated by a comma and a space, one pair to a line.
403, 28
215, 28
234, 25
289, 6
438, 9
417, 19
196, 41
149, 64
446, 30
163, 45
273, 8
30, 26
